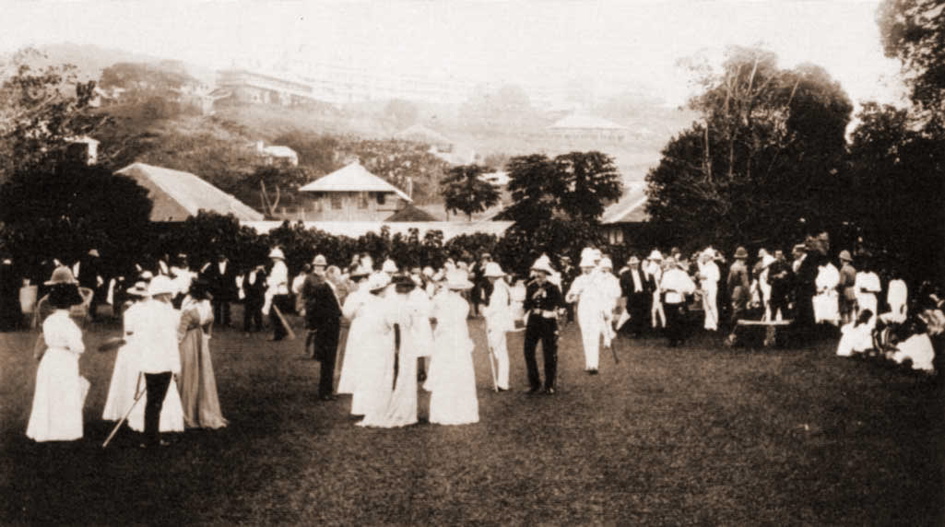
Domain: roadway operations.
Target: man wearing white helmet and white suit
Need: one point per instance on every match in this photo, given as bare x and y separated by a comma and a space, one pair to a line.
591, 297
277, 294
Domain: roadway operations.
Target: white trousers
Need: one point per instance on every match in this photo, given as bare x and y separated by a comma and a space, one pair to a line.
711, 307
656, 311
500, 349
592, 326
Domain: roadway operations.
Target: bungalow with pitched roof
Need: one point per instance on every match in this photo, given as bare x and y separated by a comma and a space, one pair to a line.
351, 194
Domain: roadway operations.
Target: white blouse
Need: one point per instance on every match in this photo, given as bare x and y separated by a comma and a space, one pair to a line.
61, 332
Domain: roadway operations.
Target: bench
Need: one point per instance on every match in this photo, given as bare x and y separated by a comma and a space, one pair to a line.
771, 330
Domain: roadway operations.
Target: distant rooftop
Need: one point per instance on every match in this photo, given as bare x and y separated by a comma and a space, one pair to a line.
576, 121
353, 178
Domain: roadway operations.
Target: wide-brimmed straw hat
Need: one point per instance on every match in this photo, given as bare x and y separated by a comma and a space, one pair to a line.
139, 289
277, 253
458, 280
655, 255
61, 275
320, 260
161, 285
359, 272
493, 270
378, 281
633, 260
845, 256
741, 253
605, 263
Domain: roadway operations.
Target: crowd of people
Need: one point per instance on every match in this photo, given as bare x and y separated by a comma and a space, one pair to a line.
398, 330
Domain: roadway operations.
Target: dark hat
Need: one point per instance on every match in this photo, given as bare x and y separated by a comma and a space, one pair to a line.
64, 296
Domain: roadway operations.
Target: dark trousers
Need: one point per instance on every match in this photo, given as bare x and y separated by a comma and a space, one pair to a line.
221, 312
252, 316
157, 384
284, 303
545, 330
326, 351
638, 307
675, 322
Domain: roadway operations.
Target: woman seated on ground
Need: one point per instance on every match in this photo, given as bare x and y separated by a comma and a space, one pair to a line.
857, 336
198, 385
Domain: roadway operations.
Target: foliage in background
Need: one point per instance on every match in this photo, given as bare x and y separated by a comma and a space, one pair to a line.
556, 205
465, 191
68, 210
763, 164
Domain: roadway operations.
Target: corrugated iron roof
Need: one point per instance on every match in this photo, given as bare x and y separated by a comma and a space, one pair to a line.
178, 195
631, 208
352, 178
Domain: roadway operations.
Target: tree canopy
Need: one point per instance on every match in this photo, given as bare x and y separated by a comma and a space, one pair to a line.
557, 203
465, 191
763, 164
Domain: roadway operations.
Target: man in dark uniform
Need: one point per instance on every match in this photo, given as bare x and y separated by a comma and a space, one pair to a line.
323, 320
482, 289
780, 278
542, 302
805, 287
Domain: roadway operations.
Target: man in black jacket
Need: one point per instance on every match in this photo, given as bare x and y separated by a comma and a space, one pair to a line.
222, 279
636, 289
323, 320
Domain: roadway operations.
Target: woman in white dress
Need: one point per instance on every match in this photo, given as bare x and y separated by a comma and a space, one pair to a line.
867, 286
412, 309
376, 337
125, 382
352, 362
56, 414
452, 379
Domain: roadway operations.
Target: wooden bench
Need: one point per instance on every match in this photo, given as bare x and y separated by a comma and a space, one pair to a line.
771, 330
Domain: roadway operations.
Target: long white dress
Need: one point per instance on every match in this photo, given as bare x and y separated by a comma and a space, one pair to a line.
826, 306
867, 285
376, 385
452, 378
588, 292
125, 384
352, 364
60, 393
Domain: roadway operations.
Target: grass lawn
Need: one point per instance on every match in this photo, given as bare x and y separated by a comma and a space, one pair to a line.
669, 436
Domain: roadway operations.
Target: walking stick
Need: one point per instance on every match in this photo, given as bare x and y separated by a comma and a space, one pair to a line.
138, 395
613, 349
285, 323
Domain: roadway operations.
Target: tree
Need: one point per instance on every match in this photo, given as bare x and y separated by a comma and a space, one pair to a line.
914, 32
142, 80
897, 189
557, 204
464, 190
764, 163
68, 209
41, 111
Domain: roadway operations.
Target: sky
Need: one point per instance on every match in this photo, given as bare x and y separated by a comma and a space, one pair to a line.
607, 45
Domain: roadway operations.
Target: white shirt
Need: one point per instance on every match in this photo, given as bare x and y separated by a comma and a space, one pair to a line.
710, 275
676, 284
157, 337
278, 279
61, 332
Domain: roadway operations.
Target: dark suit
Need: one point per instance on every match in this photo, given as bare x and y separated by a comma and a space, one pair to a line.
638, 299
223, 288
254, 297
89, 274
323, 317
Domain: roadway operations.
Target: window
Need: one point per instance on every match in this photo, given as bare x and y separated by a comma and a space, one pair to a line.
336, 201
363, 200
381, 197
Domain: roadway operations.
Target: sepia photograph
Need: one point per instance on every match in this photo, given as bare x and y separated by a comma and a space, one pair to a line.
472, 262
